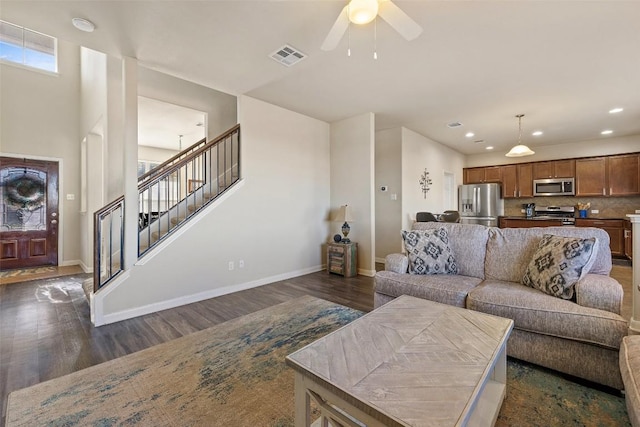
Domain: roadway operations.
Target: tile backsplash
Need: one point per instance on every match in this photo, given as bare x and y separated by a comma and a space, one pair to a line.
609, 207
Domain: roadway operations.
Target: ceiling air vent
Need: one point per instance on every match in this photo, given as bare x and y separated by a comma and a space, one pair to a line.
454, 124
288, 55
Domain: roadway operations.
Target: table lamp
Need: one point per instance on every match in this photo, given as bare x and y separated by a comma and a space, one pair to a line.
344, 215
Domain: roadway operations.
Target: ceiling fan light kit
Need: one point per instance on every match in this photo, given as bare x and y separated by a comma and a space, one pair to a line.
520, 150
362, 11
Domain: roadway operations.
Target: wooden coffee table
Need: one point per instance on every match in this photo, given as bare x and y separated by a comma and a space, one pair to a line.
411, 362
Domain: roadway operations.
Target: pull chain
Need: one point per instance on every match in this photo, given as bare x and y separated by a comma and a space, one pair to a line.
375, 38
348, 34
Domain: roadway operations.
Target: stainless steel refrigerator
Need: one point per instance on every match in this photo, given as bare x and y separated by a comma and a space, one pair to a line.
480, 204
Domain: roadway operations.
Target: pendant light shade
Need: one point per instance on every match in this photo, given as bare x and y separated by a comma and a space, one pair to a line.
520, 150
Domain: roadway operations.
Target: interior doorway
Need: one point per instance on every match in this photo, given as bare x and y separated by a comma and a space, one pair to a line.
29, 215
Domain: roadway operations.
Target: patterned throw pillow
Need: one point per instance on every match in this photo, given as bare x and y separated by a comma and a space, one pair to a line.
559, 263
429, 252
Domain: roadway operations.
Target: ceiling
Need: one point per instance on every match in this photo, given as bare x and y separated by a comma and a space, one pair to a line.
168, 126
564, 64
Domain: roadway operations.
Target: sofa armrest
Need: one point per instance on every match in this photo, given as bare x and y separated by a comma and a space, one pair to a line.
601, 292
398, 263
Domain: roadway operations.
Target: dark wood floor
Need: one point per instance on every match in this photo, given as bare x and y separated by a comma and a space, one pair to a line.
46, 331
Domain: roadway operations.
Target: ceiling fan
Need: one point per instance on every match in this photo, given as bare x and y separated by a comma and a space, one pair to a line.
364, 11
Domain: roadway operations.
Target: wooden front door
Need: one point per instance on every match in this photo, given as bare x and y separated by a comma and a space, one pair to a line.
29, 214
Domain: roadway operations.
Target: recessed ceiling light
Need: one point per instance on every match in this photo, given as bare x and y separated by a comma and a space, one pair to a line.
537, 133
469, 134
83, 24
616, 110
606, 132
489, 147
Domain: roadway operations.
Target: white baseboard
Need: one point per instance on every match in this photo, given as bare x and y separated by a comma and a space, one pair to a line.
69, 263
104, 319
85, 267
368, 273
380, 260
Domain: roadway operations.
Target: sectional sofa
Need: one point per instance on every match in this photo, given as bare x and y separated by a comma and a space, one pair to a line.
580, 336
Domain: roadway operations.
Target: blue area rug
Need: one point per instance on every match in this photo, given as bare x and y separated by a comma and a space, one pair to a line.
234, 374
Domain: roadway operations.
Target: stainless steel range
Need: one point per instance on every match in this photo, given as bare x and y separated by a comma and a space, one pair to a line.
565, 213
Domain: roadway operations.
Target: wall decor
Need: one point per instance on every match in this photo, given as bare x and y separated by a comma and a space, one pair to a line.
425, 182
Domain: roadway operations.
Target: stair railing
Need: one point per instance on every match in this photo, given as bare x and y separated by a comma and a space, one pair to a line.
108, 243
168, 196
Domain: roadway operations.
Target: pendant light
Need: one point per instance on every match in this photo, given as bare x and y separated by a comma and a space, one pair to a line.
520, 150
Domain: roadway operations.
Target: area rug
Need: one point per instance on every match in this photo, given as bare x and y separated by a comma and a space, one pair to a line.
234, 374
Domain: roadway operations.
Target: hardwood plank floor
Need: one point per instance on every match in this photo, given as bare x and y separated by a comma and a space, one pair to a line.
46, 332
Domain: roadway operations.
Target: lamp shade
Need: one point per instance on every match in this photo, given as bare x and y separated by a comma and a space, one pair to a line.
344, 215
520, 151
362, 11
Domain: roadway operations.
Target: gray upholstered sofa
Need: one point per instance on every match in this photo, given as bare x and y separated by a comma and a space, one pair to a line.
580, 337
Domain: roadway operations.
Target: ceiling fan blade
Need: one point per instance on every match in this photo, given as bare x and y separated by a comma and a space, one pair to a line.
337, 31
400, 21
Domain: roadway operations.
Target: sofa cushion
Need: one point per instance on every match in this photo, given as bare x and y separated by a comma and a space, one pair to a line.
630, 370
535, 311
509, 250
468, 243
446, 289
429, 252
559, 263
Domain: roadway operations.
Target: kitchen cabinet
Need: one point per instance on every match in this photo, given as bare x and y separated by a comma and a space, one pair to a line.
591, 176
608, 176
613, 227
528, 223
554, 169
624, 175
517, 181
480, 175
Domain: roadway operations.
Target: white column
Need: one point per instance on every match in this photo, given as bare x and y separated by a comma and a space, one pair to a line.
634, 324
130, 159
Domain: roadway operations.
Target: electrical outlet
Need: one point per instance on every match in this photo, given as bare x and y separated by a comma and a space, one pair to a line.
231, 266
394, 197
241, 263
521, 210
595, 211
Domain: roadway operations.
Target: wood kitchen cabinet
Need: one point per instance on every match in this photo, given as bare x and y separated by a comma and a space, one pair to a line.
554, 169
484, 174
591, 176
517, 181
528, 223
608, 176
613, 227
624, 175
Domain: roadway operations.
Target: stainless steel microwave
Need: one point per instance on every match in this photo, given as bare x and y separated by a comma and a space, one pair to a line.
554, 187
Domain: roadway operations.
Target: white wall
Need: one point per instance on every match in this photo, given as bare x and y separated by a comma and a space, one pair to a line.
154, 154
597, 147
418, 153
276, 222
40, 119
352, 182
221, 108
388, 161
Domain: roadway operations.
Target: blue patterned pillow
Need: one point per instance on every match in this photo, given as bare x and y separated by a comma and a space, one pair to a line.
429, 252
558, 264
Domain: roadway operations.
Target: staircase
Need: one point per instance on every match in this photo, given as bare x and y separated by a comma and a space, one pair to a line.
168, 197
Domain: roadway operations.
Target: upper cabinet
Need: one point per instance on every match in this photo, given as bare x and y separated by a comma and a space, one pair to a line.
591, 176
617, 175
484, 174
517, 181
554, 169
624, 175
608, 176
